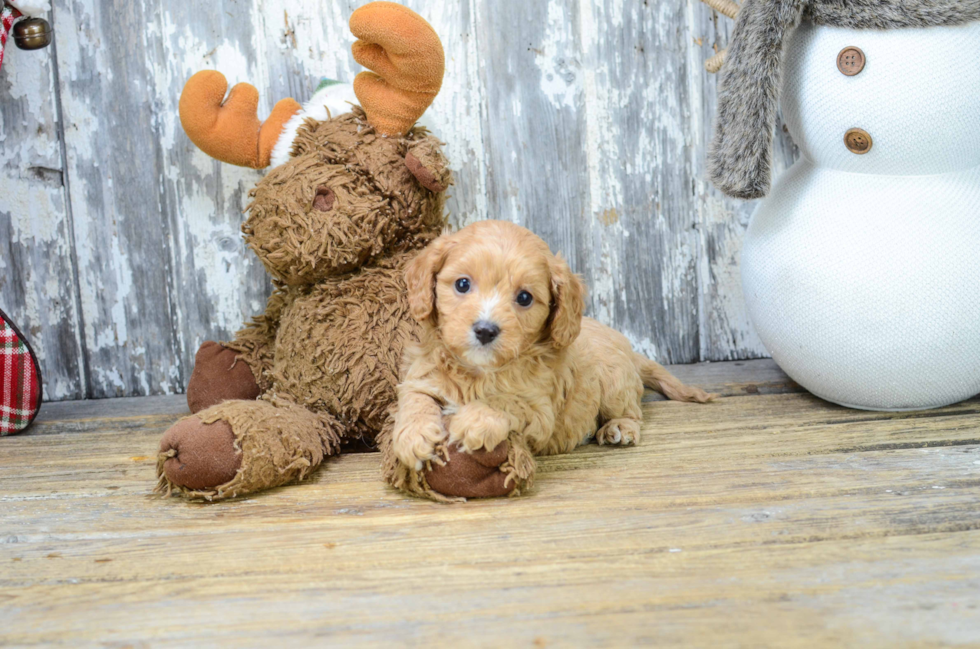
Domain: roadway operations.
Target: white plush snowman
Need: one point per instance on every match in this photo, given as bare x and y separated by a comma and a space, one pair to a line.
861, 269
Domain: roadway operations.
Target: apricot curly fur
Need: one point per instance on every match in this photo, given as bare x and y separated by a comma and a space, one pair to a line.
543, 383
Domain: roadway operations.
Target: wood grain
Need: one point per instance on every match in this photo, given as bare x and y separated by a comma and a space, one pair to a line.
641, 221
535, 121
217, 282
37, 275
587, 122
114, 166
726, 332
759, 520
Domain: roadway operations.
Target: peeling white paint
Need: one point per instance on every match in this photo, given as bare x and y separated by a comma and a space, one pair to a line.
33, 216
605, 189
559, 73
36, 212
726, 332
643, 345
458, 111
585, 70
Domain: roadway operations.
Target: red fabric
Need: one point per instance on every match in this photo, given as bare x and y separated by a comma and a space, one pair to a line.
20, 381
8, 15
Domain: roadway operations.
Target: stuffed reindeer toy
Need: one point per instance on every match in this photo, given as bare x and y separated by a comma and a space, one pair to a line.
354, 193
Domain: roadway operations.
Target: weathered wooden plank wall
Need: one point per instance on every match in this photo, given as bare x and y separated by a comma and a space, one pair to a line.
586, 121
726, 333
38, 278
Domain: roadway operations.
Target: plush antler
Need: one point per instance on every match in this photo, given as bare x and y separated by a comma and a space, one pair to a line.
726, 8
230, 130
407, 60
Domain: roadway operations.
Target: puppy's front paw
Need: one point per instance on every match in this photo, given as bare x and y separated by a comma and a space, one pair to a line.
477, 426
414, 443
620, 432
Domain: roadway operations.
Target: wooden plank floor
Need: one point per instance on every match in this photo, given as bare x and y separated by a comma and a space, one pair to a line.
766, 518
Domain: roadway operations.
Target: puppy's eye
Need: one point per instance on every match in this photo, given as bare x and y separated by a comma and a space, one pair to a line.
524, 298
462, 285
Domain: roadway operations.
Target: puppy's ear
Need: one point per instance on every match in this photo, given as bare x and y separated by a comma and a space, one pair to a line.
420, 276
567, 304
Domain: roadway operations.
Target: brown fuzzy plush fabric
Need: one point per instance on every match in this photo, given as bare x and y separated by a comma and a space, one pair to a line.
341, 347
335, 226
740, 158
378, 209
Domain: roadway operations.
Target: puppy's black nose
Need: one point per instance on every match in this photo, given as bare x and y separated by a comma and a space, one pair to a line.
486, 332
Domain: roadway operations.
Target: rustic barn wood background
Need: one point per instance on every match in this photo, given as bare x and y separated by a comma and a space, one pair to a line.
585, 120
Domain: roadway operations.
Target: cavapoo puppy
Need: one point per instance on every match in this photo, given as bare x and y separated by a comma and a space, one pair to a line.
505, 354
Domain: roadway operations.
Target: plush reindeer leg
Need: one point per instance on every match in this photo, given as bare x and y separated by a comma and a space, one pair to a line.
219, 375
240, 447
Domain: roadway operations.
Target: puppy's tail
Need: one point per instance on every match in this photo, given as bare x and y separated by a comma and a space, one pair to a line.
657, 378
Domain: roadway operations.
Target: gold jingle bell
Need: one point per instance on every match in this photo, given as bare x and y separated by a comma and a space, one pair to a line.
32, 34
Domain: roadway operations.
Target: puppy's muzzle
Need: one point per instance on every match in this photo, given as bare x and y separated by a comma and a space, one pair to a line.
486, 332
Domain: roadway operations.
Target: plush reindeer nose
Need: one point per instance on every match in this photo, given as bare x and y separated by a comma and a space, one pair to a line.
486, 332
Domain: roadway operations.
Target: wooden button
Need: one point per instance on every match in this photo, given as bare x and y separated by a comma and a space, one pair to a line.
850, 61
858, 141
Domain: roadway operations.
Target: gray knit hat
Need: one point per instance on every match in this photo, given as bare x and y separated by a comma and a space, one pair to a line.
739, 160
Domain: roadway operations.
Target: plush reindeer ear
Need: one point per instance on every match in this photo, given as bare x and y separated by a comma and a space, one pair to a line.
567, 304
426, 162
420, 277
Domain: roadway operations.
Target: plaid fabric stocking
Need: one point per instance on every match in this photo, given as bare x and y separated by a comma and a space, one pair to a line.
8, 15
20, 380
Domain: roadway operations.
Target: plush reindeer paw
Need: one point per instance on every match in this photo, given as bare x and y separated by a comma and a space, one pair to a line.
506, 470
455, 474
241, 447
199, 456
472, 475
219, 375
